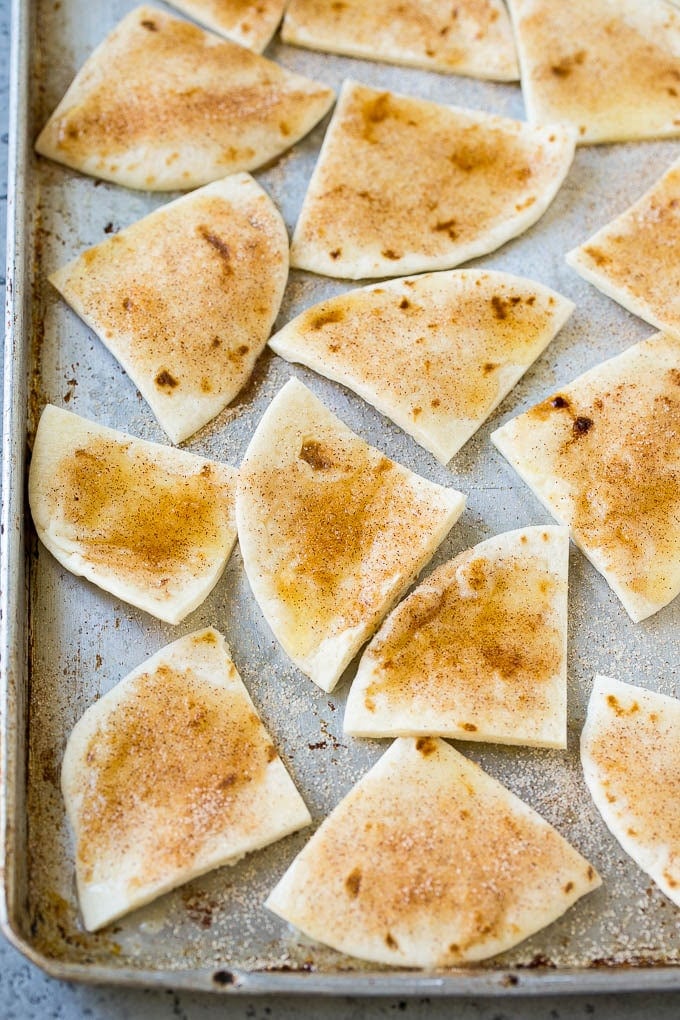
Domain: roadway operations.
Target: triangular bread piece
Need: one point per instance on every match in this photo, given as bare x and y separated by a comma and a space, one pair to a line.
150, 524
249, 24
630, 751
332, 532
406, 185
603, 456
435, 353
185, 298
472, 37
635, 259
170, 775
162, 105
429, 862
609, 68
478, 651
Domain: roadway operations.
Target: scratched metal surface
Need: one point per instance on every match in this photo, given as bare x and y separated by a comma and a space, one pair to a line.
81, 641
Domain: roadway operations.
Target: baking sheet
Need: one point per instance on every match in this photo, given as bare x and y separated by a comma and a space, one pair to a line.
65, 643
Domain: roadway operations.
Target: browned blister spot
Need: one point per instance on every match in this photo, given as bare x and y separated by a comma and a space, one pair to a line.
353, 883
169, 770
317, 455
165, 379
567, 64
219, 245
599, 257
426, 746
325, 318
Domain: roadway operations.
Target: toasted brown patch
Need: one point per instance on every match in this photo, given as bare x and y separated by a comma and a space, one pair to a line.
353, 883
165, 379
426, 746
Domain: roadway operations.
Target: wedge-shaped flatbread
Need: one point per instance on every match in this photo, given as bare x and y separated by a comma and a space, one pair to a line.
603, 456
162, 105
472, 37
635, 259
609, 68
186, 297
405, 185
170, 775
331, 531
251, 24
429, 862
630, 751
478, 651
152, 525
435, 353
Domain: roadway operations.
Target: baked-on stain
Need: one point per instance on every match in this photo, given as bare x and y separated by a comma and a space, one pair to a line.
472, 618
148, 523
169, 769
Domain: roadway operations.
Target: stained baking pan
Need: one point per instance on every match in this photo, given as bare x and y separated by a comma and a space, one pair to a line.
64, 643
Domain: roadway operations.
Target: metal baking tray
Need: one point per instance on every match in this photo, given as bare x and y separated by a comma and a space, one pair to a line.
64, 643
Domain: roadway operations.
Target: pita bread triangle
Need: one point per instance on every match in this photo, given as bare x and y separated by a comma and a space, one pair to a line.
331, 531
249, 24
609, 68
170, 775
435, 353
635, 258
429, 862
630, 751
185, 298
603, 456
162, 105
472, 38
478, 651
150, 524
481, 180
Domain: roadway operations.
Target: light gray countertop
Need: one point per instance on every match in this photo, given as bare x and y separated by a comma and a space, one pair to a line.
25, 992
